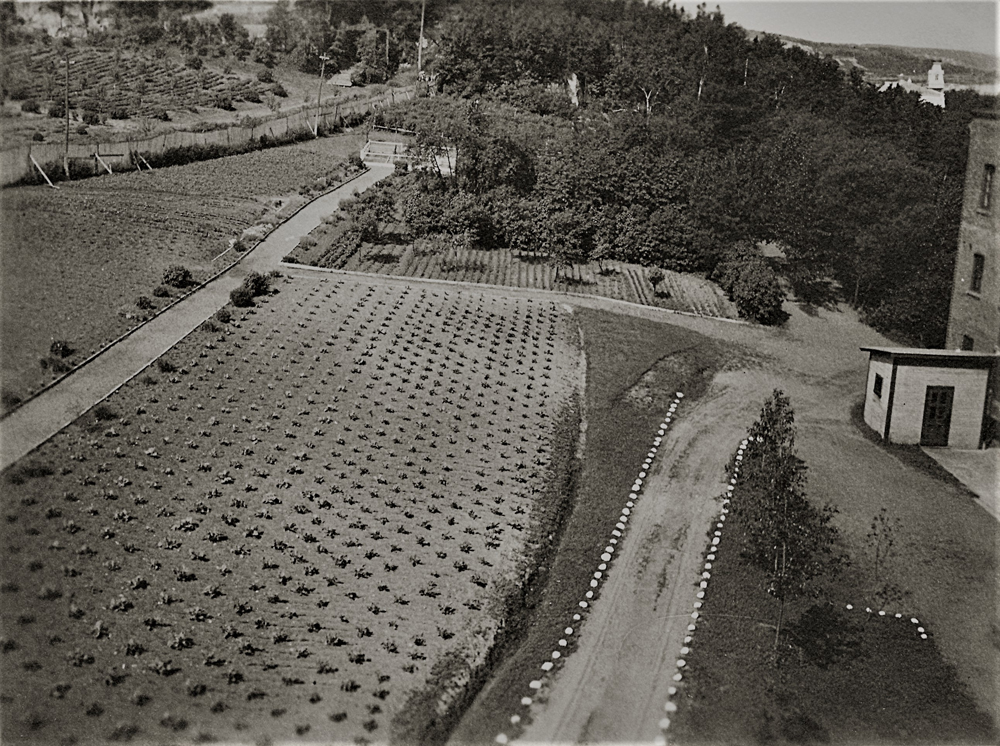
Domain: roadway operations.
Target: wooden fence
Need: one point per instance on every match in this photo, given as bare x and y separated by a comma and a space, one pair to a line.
16, 164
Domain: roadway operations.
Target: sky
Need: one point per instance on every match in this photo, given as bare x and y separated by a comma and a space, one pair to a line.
941, 24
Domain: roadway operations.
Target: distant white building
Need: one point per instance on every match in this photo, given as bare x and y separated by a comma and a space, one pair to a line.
932, 93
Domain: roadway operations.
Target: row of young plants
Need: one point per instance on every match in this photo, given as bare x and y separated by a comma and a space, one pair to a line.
307, 520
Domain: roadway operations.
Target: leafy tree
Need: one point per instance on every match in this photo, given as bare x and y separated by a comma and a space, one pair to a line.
793, 542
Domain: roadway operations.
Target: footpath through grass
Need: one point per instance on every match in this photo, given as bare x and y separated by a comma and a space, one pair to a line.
624, 355
838, 675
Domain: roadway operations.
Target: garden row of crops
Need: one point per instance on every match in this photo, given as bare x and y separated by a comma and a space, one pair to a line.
76, 259
107, 82
293, 526
619, 280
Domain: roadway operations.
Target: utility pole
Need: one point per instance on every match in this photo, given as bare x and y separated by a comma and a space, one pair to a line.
420, 44
319, 95
66, 104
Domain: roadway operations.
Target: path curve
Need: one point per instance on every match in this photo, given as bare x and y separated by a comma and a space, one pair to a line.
39, 419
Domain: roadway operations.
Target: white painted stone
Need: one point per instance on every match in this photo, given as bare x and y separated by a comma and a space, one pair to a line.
547, 666
664, 723
525, 701
849, 607
670, 707
626, 511
642, 475
923, 637
697, 604
677, 677
914, 620
602, 566
710, 557
609, 549
691, 628
598, 574
515, 719
660, 741
634, 496
612, 541
593, 584
589, 594
703, 584
536, 684
576, 617
920, 629
671, 690
695, 615
685, 651
700, 594
898, 615
502, 738
583, 604
620, 526
715, 541
556, 654
562, 643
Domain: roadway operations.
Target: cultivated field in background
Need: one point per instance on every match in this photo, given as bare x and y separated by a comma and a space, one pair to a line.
75, 260
629, 282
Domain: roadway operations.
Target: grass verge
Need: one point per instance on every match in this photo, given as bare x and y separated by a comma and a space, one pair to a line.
622, 351
838, 676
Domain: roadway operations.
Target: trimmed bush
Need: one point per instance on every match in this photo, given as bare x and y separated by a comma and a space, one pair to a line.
223, 315
177, 276
143, 303
30, 106
91, 118
38, 137
161, 291
256, 284
265, 76
241, 297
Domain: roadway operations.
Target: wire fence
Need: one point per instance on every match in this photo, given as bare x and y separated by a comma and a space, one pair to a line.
18, 164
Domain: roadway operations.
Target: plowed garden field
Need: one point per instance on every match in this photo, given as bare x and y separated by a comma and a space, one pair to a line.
307, 524
74, 261
621, 281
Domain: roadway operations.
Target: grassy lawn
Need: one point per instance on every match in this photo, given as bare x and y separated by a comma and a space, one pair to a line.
633, 369
854, 677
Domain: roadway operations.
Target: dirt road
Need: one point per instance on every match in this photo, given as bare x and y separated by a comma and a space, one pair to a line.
613, 688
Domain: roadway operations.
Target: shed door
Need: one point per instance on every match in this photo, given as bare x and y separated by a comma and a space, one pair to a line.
937, 415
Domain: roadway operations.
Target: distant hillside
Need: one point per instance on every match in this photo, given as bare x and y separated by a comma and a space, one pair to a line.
881, 62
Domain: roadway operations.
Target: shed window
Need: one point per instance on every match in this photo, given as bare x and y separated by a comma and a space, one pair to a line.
978, 264
986, 196
967, 342
877, 388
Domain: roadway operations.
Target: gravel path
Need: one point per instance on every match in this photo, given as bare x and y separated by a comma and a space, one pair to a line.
43, 416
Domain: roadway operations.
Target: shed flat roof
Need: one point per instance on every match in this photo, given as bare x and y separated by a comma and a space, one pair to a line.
925, 354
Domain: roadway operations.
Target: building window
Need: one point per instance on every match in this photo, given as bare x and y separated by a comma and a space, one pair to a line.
986, 196
967, 342
978, 264
877, 388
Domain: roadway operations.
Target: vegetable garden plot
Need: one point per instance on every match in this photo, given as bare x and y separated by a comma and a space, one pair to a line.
314, 517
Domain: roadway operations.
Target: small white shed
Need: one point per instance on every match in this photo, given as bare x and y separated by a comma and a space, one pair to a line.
929, 397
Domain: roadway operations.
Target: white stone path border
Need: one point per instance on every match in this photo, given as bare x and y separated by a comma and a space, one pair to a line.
670, 706
606, 557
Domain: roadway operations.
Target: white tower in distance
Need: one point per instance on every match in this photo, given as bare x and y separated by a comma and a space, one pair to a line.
935, 77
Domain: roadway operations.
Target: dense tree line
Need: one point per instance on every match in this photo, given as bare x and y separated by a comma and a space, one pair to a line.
688, 138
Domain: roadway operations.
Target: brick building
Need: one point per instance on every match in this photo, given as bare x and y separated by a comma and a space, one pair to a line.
974, 318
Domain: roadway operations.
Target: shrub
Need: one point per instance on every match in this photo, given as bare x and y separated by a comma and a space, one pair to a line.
194, 62
119, 113
355, 162
177, 276
57, 110
30, 106
60, 348
161, 291
656, 276
256, 284
402, 167
165, 366
81, 130
144, 303
265, 76
279, 91
241, 297
223, 315
751, 284
37, 136
91, 118
211, 327
104, 413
